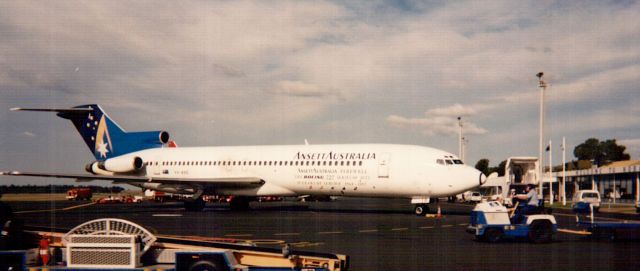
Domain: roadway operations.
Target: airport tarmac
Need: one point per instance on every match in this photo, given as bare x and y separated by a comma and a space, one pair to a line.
377, 234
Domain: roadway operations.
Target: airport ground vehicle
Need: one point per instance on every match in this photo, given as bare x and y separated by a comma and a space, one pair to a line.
79, 194
475, 197
589, 196
609, 230
491, 222
109, 243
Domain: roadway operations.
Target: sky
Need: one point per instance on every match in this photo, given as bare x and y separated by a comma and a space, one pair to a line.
215, 73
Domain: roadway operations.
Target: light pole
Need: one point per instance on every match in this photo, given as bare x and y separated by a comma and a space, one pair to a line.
542, 86
464, 149
564, 171
460, 138
550, 174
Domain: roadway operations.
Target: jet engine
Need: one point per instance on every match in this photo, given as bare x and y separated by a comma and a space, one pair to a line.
116, 165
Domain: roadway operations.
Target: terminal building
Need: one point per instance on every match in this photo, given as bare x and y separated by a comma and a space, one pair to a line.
616, 182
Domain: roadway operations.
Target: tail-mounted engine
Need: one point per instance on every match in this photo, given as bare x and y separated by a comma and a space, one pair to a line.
116, 165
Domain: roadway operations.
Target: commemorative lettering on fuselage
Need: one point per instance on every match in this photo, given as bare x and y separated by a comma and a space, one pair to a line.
335, 156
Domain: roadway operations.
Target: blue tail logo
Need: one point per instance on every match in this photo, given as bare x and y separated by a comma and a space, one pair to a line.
104, 137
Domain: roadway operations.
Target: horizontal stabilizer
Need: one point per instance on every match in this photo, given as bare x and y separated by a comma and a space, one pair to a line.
59, 110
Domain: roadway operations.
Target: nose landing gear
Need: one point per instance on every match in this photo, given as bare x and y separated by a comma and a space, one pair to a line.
421, 209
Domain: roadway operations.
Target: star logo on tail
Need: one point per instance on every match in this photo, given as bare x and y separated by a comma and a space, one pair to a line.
102, 149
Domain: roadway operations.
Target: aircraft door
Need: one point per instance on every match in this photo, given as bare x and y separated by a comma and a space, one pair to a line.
383, 166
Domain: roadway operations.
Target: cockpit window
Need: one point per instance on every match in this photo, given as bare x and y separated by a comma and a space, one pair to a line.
457, 162
440, 161
449, 162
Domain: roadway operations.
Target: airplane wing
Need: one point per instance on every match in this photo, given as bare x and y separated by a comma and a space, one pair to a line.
218, 182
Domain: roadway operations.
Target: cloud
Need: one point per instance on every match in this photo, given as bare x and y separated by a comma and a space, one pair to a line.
288, 69
440, 121
301, 89
456, 110
28, 134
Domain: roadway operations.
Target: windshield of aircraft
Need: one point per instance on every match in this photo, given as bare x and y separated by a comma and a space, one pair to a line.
449, 161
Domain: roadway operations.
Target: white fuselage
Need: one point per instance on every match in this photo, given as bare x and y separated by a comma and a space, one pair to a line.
367, 170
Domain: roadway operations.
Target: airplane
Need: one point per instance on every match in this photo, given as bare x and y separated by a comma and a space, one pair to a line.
143, 159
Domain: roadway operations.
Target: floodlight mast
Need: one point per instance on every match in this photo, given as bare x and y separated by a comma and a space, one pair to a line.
542, 86
460, 154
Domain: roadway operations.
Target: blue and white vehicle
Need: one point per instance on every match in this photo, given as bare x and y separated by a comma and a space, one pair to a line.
491, 222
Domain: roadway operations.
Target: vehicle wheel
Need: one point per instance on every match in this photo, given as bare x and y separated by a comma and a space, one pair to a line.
194, 205
239, 204
421, 209
605, 234
540, 231
492, 235
204, 266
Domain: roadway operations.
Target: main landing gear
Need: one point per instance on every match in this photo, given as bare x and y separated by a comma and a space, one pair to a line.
194, 205
240, 203
421, 209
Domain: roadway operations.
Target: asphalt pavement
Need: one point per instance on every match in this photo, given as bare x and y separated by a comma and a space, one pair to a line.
377, 234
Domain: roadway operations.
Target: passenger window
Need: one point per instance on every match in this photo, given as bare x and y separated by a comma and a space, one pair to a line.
342, 163
448, 162
307, 163
360, 164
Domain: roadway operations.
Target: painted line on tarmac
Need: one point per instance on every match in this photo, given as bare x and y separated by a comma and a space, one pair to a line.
399, 229
427, 227
574, 232
330, 232
447, 226
58, 209
266, 241
364, 231
287, 234
463, 224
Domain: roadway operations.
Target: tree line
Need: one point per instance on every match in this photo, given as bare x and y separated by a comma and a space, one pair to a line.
45, 189
589, 153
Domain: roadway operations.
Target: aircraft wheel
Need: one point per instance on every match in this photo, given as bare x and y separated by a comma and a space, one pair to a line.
204, 266
194, 205
421, 209
540, 231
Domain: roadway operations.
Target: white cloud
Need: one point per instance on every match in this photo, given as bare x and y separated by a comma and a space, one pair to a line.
301, 89
28, 134
440, 121
278, 66
456, 110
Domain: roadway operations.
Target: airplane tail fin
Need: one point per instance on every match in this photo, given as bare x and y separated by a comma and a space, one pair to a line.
102, 135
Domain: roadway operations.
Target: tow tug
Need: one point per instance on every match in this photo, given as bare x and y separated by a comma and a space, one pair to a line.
492, 222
